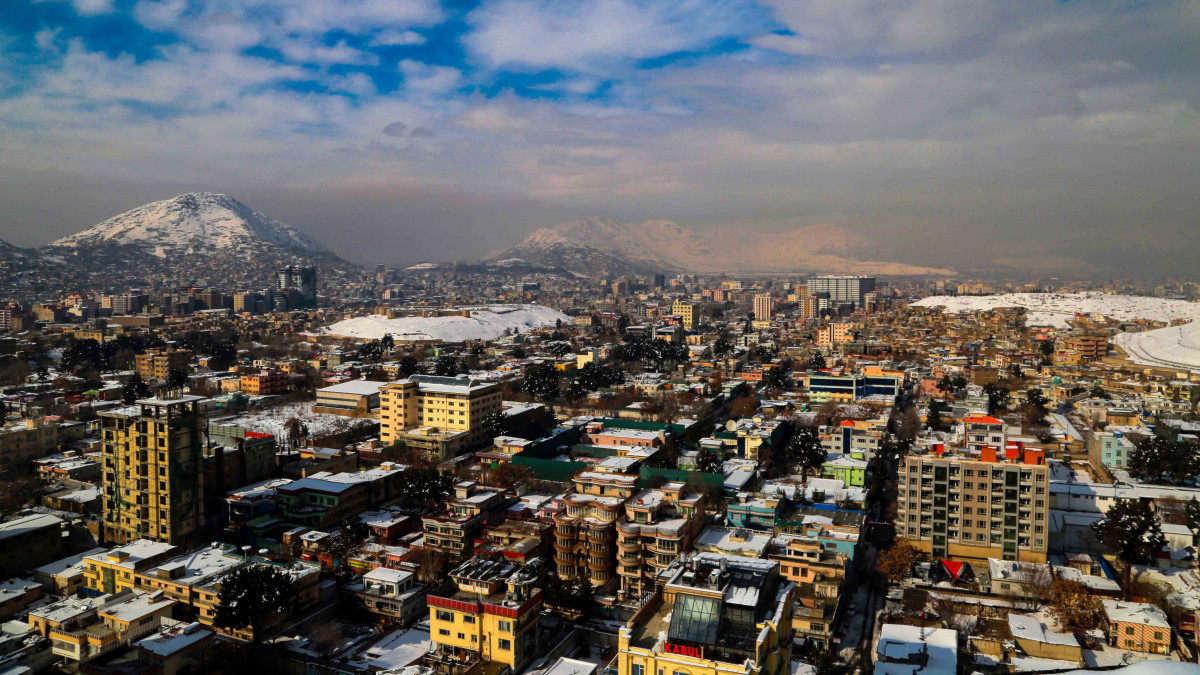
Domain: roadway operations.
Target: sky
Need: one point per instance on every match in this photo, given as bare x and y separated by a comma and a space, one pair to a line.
949, 132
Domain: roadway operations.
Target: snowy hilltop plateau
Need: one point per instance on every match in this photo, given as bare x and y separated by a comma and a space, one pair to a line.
1171, 347
599, 245
484, 323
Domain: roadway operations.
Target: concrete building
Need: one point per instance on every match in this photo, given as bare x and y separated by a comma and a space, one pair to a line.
27, 440
440, 416
764, 307
972, 508
490, 617
721, 614
157, 364
266, 382
585, 530
153, 474
842, 288
29, 542
353, 398
659, 525
688, 312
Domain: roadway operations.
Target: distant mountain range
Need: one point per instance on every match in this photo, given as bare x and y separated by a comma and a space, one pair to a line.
605, 246
200, 237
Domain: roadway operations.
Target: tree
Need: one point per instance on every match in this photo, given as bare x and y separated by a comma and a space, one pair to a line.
407, 366
494, 424
806, 451
896, 562
518, 353
42, 374
426, 486
1098, 391
352, 534
559, 349
777, 377
249, 596
722, 345
387, 342
997, 396
1131, 530
445, 366
133, 389
541, 381
1191, 513
16, 493
934, 419
708, 461
743, 406
1073, 605
511, 476
177, 378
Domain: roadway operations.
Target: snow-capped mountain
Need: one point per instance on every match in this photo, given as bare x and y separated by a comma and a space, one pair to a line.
598, 245
193, 223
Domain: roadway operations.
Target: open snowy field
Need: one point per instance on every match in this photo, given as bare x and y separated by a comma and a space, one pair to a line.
485, 323
1054, 309
273, 420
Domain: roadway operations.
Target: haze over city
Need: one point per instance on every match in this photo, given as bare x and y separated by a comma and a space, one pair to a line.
1058, 136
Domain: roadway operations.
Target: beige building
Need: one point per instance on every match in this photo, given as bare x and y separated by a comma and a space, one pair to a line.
834, 334
441, 416
976, 507
659, 525
152, 471
27, 440
585, 530
764, 307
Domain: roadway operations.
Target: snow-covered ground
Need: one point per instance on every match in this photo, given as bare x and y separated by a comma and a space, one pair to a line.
1055, 309
485, 323
272, 420
1173, 346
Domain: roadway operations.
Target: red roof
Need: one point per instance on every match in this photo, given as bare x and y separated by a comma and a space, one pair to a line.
847, 423
954, 568
982, 419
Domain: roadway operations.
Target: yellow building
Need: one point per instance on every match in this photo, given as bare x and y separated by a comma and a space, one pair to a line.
689, 312
441, 416
152, 471
491, 617
157, 364
721, 615
115, 570
764, 307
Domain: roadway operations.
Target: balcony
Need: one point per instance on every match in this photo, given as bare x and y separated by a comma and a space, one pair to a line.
568, 560
600, 536
629, 544
566, 548
604, 565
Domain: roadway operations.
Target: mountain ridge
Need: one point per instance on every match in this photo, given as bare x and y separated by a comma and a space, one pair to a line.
190, 221
601, 244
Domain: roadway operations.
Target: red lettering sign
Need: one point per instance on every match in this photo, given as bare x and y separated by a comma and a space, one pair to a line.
684, 650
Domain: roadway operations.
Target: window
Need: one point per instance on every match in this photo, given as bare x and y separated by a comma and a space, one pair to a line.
468, 619
637, 669
443, 631
1129, 630
504, 645
443, 615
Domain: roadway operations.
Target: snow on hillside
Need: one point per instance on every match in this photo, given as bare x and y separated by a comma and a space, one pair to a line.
194, 220
485, 323
1055, 309
1172, 347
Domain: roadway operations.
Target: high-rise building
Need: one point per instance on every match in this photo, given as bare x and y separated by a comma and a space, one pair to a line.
964, 507
763, 307
129, 303
152, 471
440, 416
157, 364
842, 289
302, 279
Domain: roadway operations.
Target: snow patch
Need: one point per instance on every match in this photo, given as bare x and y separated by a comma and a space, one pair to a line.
1057, 309
484, 323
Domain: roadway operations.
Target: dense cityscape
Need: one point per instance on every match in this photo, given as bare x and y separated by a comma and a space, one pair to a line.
601, 337
515, 468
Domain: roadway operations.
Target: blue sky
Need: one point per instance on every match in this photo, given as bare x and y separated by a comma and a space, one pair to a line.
895, 118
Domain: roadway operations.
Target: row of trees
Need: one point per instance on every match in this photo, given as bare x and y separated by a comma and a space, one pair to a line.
1163, 461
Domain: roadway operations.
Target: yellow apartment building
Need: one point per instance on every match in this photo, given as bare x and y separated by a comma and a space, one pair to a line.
441, 416
152, 471
490, 617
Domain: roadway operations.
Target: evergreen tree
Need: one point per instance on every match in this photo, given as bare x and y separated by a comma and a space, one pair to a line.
251, 595
1131, 530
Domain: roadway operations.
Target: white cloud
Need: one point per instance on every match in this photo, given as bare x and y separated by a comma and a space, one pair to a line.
396, 37
537, 34
429, 78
